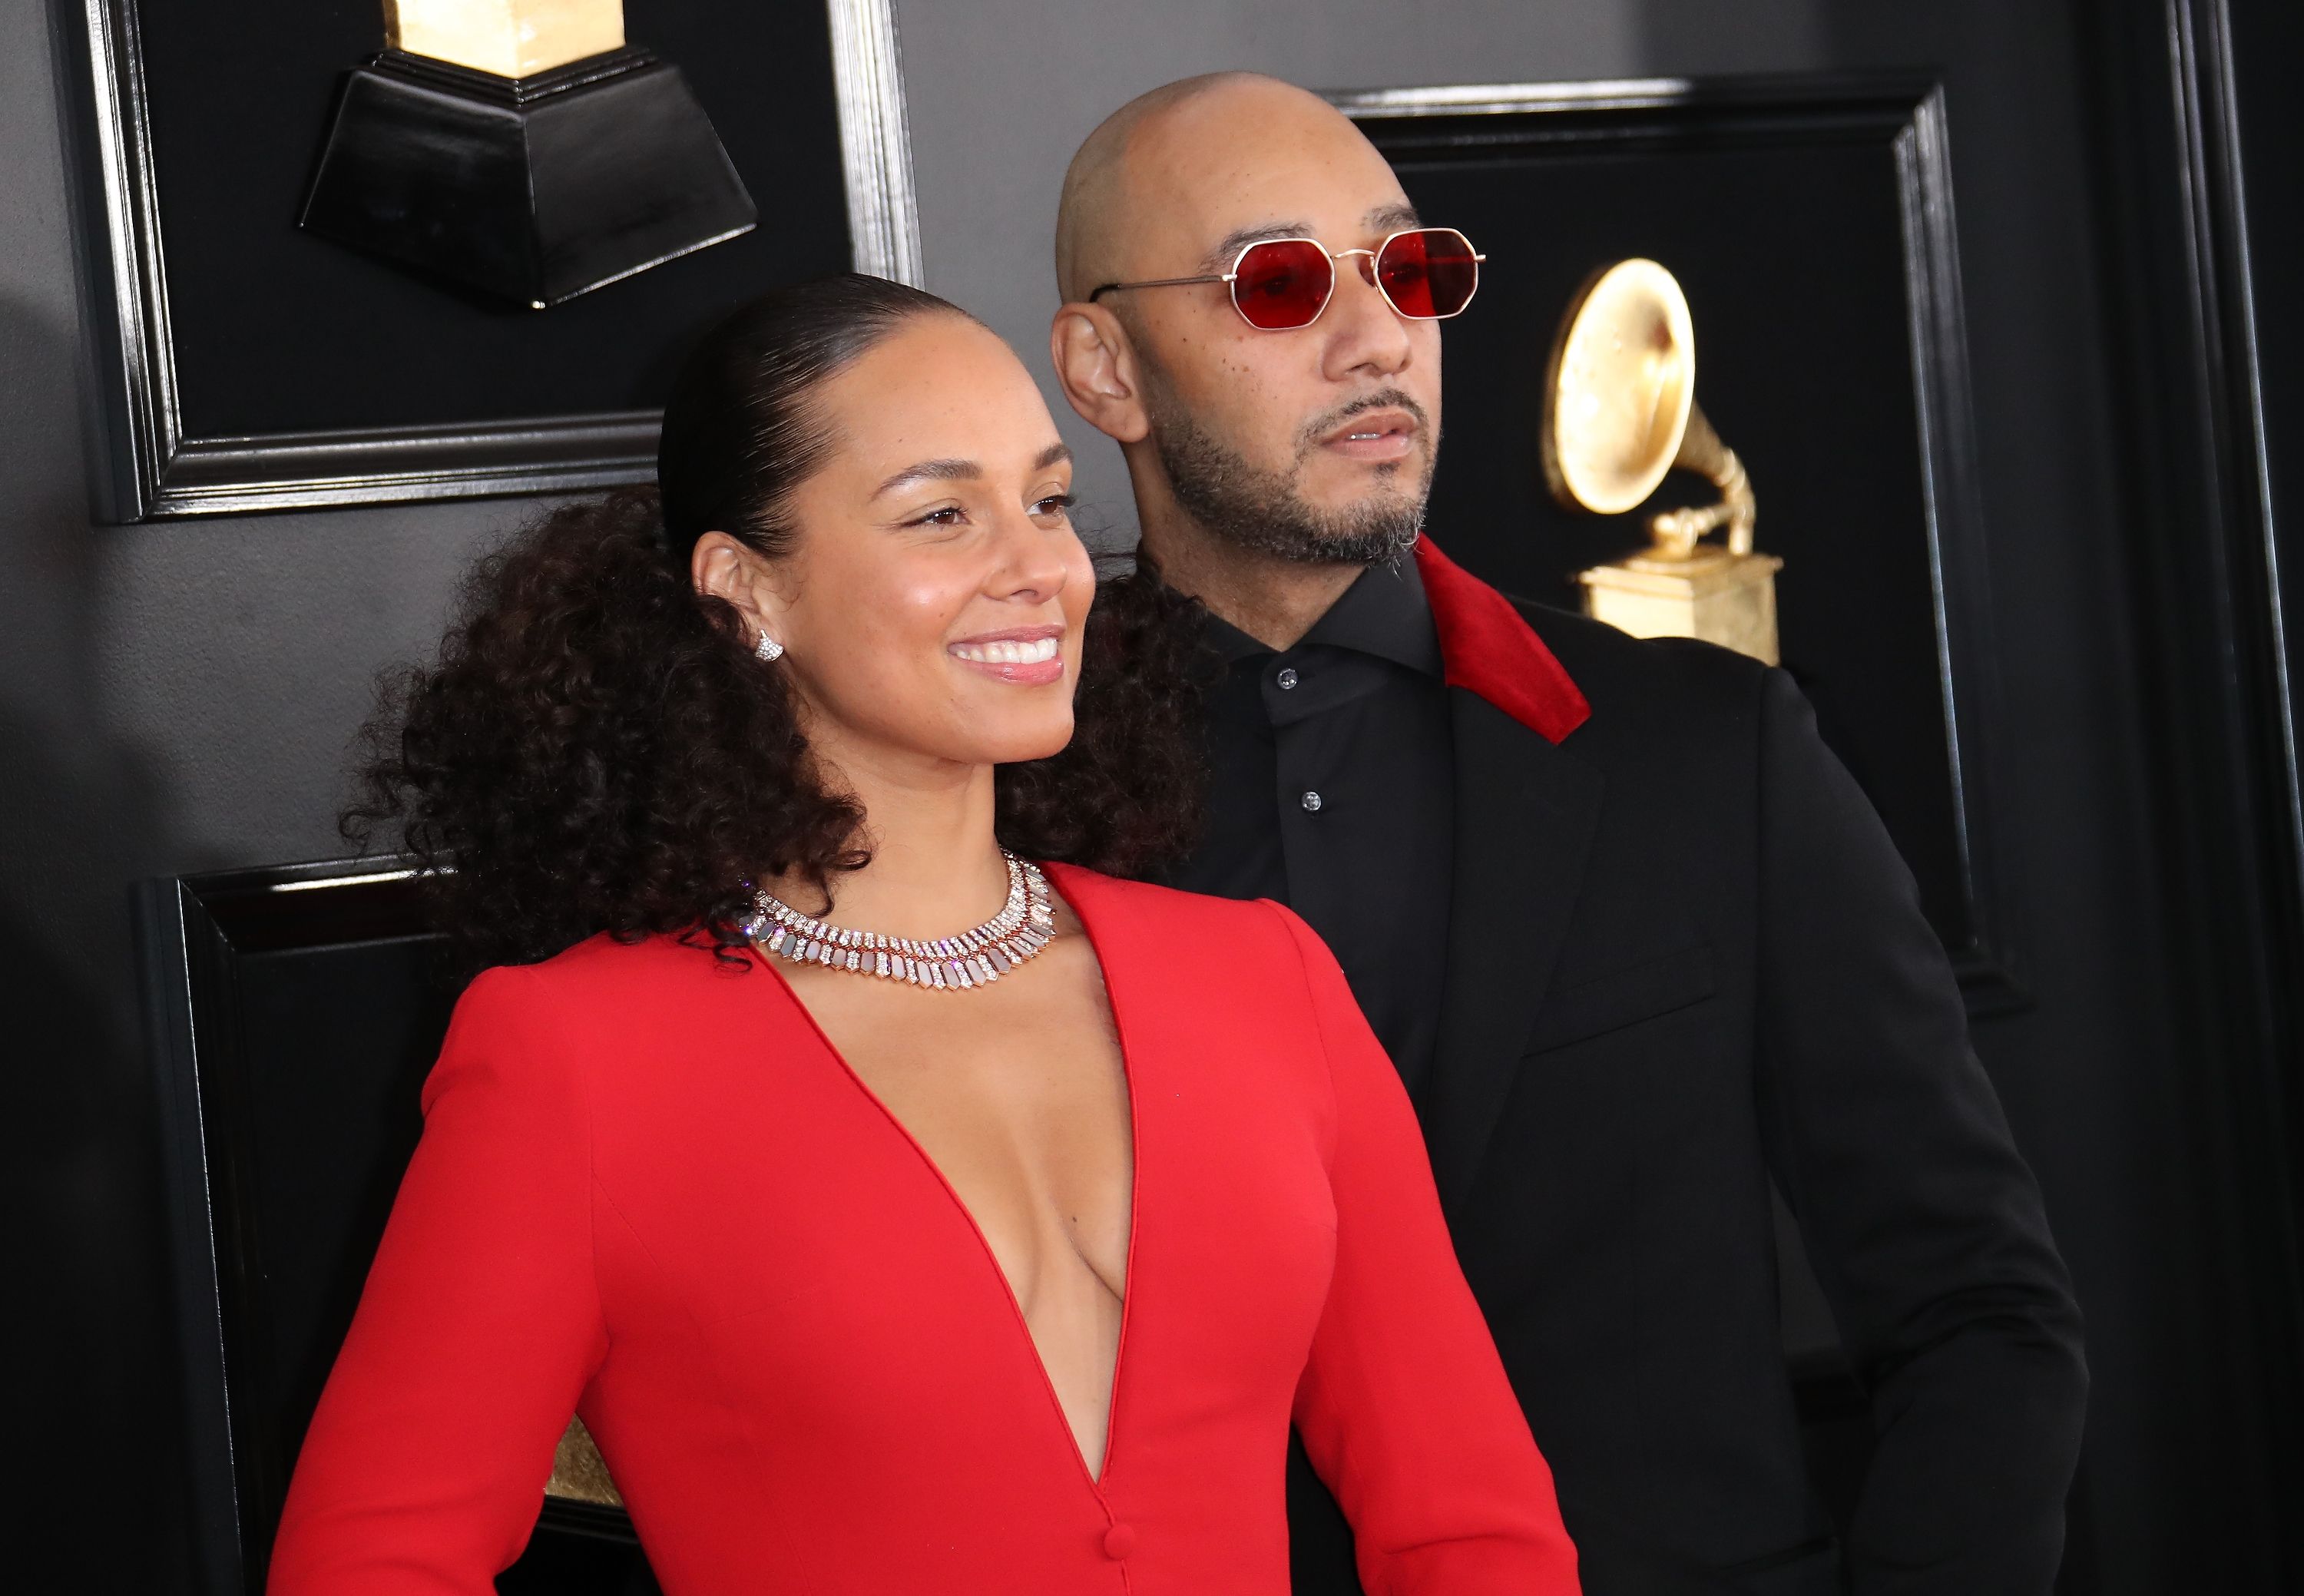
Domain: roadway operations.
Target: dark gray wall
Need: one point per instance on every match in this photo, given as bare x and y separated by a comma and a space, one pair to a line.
171, 698
179, 697
988, 177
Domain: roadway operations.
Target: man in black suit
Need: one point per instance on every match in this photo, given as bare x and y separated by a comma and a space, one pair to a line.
1635, 941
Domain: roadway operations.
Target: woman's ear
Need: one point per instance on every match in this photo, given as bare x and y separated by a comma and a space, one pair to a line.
1095, 363
723, 568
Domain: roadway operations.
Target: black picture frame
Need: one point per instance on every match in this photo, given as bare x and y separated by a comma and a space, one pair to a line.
1491, 137
292, 1014
157, 461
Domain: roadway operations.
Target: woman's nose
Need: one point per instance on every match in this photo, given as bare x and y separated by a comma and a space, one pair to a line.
1032, 565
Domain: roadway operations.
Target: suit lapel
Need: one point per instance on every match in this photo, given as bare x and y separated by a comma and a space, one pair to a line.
1526, 809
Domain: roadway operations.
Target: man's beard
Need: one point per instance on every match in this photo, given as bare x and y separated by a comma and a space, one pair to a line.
1261, 511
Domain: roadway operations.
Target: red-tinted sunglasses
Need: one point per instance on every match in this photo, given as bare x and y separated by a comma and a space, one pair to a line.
1427, 273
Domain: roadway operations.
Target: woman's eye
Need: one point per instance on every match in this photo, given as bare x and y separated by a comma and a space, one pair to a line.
1055, 503
946, 516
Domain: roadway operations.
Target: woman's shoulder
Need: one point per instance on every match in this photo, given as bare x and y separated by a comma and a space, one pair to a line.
605, 979
1140, 898
1242, 985
1235, 927
607, 1016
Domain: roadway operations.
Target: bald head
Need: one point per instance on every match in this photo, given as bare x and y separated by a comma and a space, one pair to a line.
1253, 448
1139, 179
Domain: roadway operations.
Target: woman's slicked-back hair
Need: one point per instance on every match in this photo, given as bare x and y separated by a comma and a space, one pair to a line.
741, 430
596, 749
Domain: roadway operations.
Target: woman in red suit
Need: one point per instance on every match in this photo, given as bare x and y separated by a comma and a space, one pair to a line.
883, 1247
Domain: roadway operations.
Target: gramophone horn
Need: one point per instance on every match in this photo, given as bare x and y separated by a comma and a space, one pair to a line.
1622, 392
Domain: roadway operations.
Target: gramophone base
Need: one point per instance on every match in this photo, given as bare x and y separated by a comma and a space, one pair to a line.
1725, 598
535, 189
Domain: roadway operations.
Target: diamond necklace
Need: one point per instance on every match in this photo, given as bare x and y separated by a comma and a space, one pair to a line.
976, 957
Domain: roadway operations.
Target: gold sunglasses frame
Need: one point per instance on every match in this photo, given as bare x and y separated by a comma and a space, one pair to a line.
1231, 279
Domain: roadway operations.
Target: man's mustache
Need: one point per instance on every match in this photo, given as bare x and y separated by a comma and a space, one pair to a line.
1308, 437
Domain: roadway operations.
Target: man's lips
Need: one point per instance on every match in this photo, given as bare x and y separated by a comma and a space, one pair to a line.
1374, 435
1027, 656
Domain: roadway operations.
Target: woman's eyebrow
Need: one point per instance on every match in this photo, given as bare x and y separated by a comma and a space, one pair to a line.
963, 471
931, 471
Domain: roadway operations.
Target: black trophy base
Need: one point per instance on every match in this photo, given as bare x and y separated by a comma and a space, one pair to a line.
535, 189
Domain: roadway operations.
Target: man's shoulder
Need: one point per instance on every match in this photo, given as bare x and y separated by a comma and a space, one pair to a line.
1596, 654
1650, 685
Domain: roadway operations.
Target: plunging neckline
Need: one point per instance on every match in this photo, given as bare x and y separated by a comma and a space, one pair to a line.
1095, 1476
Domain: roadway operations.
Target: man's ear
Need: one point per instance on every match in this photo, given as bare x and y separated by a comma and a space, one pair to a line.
1095, 363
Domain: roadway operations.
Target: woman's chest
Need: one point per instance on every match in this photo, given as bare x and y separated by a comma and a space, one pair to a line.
1017, 1096
765, 1192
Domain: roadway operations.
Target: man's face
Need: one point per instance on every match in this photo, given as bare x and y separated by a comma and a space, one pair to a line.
1315, 443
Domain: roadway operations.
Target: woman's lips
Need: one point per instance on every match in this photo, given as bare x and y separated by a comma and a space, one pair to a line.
1025, 658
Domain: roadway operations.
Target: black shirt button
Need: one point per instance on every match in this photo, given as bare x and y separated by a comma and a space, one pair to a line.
1286, 678
1311, 801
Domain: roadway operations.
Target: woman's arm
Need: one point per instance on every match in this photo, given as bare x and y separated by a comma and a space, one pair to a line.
480, 1325
1404, 1407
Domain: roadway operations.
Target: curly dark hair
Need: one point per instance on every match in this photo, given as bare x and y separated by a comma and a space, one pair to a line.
596, 749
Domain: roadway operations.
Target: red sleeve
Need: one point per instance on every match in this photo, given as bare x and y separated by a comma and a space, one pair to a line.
480, 1325
1404, 1407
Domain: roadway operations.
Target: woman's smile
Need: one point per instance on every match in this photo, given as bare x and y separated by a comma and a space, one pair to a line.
1027, 656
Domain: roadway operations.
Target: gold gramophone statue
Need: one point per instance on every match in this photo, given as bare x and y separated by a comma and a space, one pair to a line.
578, 1474
1620, 412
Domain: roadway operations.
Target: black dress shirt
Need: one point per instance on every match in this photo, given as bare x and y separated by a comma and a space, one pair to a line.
1332, 791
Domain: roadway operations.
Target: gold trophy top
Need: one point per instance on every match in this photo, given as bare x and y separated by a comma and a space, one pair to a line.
513, 38
1623, 413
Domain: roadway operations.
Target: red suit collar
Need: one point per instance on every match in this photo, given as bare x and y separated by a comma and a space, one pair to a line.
1487, 648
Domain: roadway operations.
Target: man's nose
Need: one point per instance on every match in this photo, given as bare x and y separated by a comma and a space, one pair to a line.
1368, 334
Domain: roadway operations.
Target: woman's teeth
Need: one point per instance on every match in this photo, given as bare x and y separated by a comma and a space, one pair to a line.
1007, 653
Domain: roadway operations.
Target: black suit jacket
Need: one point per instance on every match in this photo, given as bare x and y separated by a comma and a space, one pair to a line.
1684, 958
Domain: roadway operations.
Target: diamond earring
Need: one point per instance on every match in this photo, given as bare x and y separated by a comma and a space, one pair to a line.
767, 649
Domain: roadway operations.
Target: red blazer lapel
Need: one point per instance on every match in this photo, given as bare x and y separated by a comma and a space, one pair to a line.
1487, 648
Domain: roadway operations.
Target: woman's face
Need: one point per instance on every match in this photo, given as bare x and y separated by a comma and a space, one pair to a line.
933, 600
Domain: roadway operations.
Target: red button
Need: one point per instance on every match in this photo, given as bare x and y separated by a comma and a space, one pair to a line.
1119, 1542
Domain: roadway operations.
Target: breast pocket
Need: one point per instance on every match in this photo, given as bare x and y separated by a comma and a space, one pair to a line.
1581, 1006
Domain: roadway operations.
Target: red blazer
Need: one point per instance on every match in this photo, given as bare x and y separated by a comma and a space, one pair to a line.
650, 1192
